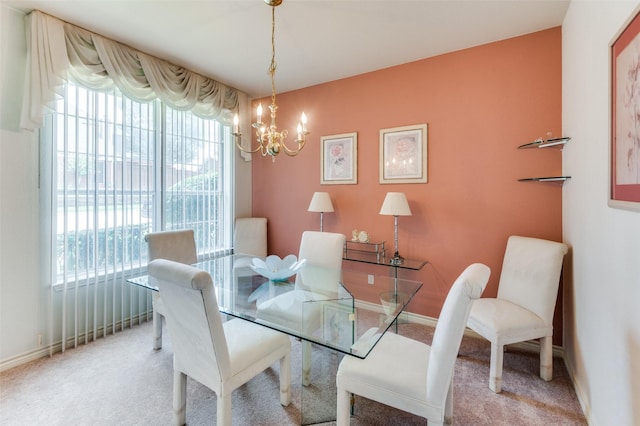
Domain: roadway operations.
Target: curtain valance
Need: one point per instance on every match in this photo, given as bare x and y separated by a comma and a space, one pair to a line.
56, 50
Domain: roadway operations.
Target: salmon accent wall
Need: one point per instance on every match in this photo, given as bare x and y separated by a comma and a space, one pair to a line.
480, 104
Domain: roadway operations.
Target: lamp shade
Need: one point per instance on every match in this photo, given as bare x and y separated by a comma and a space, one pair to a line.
395, 204
321, 202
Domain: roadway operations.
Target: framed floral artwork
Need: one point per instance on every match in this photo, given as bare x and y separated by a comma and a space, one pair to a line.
625, 117
339, 159
403, 154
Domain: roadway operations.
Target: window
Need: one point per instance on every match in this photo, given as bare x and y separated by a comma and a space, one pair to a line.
119, 169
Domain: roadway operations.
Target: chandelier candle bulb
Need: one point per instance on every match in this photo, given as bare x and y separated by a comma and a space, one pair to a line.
259, 111
235, 124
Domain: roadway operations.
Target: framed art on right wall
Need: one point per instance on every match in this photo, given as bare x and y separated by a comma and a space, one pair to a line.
625, 117
403, 154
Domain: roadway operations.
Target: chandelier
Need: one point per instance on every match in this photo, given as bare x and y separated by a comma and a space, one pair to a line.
270, 140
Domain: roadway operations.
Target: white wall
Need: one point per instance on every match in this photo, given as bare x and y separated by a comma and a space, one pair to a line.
602, 331
21, 305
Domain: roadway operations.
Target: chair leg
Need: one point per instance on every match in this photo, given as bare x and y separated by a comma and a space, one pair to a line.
285, 380
157, 331
343, 407
224, 410
179, 398
546, 358
448, 405
495, 369
306, 363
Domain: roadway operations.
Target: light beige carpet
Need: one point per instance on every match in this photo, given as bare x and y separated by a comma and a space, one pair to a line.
120, 380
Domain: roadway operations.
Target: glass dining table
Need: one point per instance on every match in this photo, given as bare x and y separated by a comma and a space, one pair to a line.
343, 318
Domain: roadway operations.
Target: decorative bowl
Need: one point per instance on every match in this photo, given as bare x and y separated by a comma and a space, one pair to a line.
276, 269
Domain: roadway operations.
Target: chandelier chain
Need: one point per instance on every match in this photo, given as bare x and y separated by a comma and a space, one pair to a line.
273, 66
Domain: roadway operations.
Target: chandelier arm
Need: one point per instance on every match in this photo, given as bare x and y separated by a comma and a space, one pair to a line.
293, 152
237, 138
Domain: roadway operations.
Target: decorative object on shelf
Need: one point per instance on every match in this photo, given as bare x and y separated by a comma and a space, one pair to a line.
321, 202
270, 141
359, 236
546, 143
395, 204
276, 269
403, 154
339, 159
624, 176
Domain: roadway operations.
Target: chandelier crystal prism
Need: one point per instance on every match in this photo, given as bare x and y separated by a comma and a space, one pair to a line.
270, 140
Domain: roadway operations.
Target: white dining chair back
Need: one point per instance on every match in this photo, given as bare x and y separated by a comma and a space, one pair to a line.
220, 355
421, 379
318, 280
176, 245
531, 274
322, 252
250, 236
525, 303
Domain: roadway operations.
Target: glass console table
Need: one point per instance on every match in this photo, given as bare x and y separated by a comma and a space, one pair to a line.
374, 254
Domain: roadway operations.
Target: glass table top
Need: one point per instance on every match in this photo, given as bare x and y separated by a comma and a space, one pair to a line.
341, 311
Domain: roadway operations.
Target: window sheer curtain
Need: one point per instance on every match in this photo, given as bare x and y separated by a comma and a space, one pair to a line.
58, 51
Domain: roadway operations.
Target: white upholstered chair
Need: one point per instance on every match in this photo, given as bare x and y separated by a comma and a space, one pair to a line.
319, 279
250, 236
410, 375
221, 356
179, 246
523, 309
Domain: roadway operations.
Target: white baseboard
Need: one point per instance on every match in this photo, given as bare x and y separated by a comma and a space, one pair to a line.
56, 347
26, 357
580, 393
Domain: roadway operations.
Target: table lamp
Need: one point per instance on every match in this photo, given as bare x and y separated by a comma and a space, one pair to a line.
320, 202
395, 204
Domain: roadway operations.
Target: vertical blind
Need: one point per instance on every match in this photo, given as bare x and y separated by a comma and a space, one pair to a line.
120, 169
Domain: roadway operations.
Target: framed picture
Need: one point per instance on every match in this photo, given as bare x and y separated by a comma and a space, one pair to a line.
403, 154
339, 159
625, 113
338, 325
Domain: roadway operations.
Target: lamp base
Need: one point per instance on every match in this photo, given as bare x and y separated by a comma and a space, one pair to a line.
396, 259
